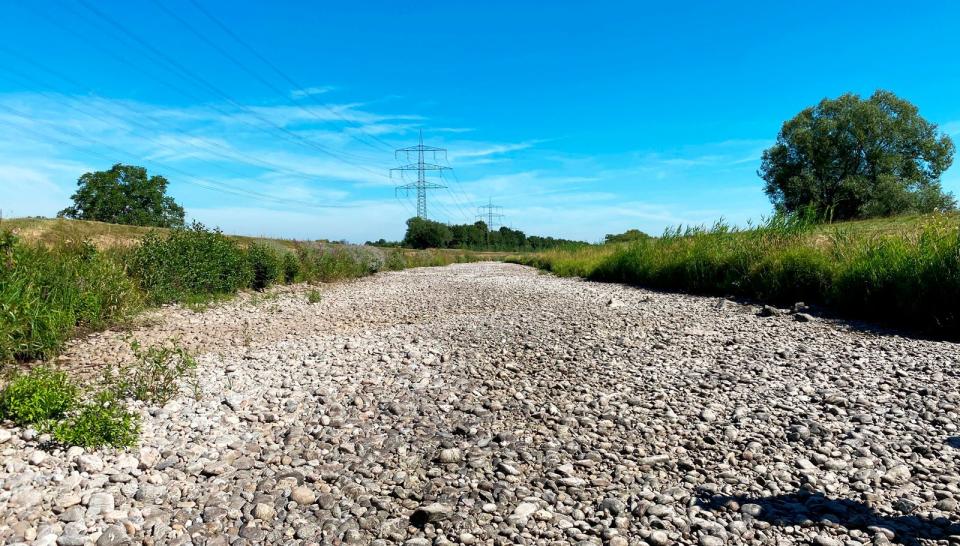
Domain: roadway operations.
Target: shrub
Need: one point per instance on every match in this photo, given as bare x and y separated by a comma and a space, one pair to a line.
48, 293
291, 267
103, 421
154, 375
395, 260
314, 296
265, 265
35, 398
192, 264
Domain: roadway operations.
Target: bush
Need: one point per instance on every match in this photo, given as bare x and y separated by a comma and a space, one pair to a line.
189, 265
331, 263
265, 265
314, 296
104, 421
42, 395
154, 375
395, 261
291, 267
46, 294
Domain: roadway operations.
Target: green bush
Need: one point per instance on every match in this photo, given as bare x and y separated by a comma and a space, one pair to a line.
332, 263
291, 267
154, 375
265, 265
104, 421
46, 294
395, 260
189, 265
35, 398
314, 296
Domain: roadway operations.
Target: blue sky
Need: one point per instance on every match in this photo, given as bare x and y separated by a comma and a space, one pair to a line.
579, 119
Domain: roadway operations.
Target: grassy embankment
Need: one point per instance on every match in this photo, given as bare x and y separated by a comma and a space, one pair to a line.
903, 271
63, 277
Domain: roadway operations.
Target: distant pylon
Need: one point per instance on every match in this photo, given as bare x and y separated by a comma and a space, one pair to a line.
488, 212
421, 185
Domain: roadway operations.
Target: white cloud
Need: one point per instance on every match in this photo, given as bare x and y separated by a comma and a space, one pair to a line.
311, 91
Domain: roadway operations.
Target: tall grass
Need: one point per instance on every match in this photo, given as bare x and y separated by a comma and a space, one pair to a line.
909, 278
46, 294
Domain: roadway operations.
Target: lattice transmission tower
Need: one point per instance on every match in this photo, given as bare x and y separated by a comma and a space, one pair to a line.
489, 212
422, 184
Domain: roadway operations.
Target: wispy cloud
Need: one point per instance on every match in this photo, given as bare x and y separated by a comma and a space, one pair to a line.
310, 91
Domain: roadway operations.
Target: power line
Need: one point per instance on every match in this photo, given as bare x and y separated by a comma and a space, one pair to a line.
190, 179
281, 73
178, 67
209, 146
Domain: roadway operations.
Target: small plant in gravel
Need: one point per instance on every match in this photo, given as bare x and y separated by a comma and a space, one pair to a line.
154, 375
103, 421
314, 296
38, 397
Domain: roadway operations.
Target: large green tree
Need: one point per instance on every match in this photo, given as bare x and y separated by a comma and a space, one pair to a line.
423, 233
853, 158
125, 195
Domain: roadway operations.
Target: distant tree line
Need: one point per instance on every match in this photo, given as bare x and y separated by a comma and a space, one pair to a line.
422, 233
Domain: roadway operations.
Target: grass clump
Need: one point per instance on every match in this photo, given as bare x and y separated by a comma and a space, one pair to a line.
103, 421
314, 296
37, 397
265, 265
154, 374
47, 294
189, 265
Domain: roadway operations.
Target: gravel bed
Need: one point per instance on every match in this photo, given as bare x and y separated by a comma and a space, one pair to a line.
489, 404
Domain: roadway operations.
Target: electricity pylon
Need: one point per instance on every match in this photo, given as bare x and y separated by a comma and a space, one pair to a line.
488, 212
422, 184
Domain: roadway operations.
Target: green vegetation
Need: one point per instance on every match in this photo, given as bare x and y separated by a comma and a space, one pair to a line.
153, 376
103, 421
37, 397
852, 158
46, 399
124, 195
423, 234
46, 294
314, 296
265, 265
189, 265
909, 278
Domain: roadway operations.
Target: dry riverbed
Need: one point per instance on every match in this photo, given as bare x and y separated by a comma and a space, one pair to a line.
489, 404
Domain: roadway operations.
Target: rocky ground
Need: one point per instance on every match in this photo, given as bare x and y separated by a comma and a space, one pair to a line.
489, 404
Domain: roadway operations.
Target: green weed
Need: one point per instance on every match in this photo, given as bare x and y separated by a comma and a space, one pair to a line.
314, 296
265, 265
154, 374
103, 421
37, 397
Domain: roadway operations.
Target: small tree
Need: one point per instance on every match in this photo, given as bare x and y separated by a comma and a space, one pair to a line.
125, 195
852, 158
423, 233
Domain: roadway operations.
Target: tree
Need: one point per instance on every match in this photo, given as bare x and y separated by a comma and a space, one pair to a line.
423, 233
626, 236
124, 195
852, 158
